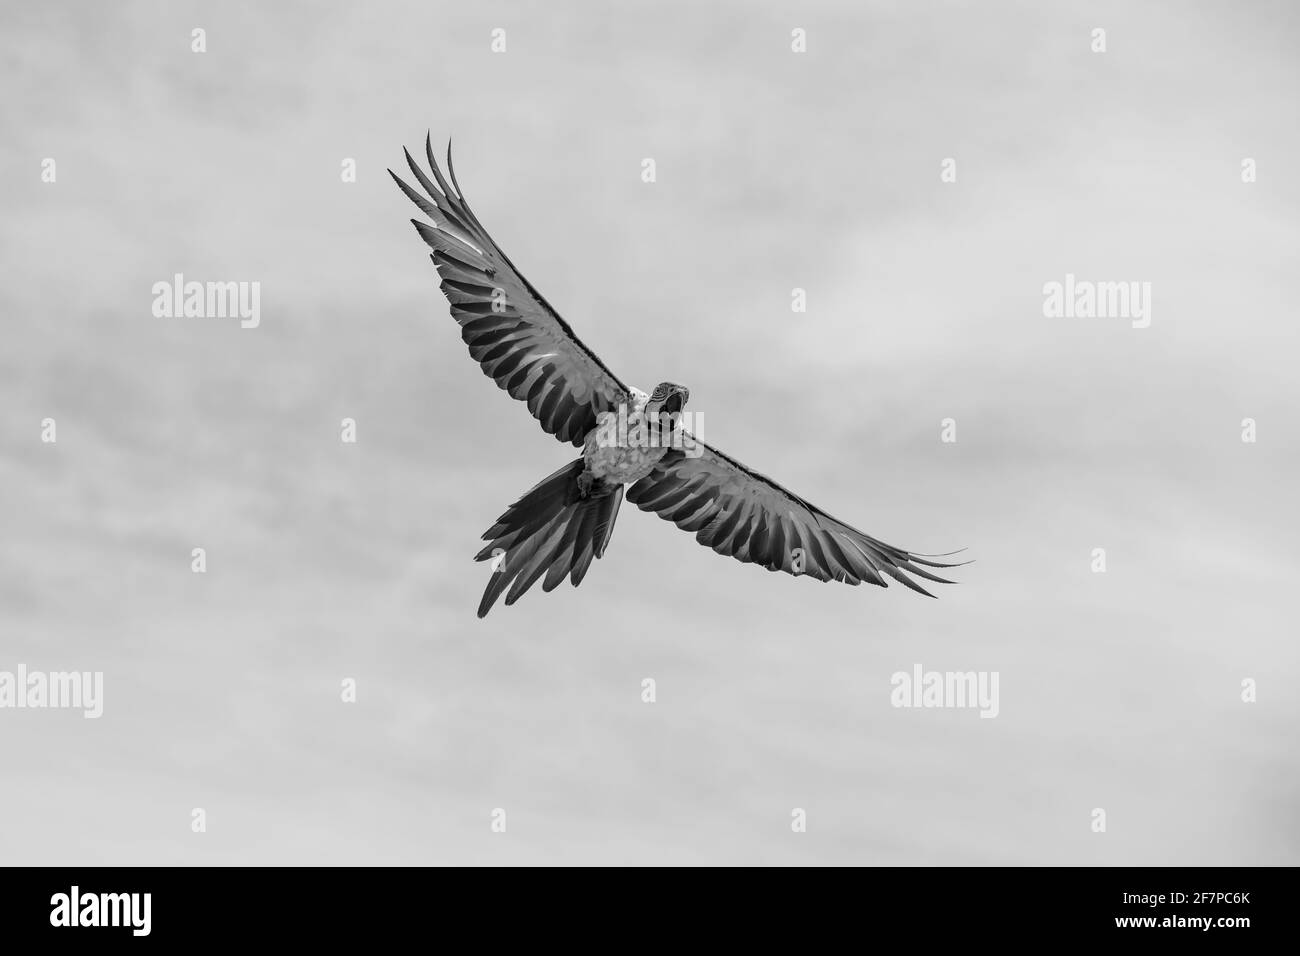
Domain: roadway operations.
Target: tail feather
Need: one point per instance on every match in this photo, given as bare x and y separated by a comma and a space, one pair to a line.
537, 506
505, 571
584, 552
565, 553
550, 530
539, 561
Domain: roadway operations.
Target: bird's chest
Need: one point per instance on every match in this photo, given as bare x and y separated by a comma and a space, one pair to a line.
621, 457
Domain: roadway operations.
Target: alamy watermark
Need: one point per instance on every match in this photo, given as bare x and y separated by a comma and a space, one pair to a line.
61, 690
76, 908
208, 300
946, 689
624, 429
1085, 299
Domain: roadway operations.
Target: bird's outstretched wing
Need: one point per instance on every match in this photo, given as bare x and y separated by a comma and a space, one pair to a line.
511, 331
739, 512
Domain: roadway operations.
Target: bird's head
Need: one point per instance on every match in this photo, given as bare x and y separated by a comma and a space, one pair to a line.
668, 398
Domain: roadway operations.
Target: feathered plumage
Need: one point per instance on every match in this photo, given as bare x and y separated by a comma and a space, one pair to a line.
557, 528
511, 331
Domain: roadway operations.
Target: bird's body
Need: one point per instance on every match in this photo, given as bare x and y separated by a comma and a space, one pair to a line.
630, 441
621, 464
622, 455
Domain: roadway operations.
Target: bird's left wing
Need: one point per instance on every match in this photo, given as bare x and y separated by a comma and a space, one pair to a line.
511, 331
739, 512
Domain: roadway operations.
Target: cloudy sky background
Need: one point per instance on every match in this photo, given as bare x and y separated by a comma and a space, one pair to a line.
821, 171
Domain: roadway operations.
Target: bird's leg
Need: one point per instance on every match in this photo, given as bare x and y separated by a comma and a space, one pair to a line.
585, 481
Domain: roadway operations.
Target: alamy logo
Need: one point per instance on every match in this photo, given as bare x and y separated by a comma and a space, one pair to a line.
1083, 299
67, 690
208, 300
632, 429
102, 909
946, 689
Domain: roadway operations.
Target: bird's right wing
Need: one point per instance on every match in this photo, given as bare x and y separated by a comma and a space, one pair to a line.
511, 331
738, 512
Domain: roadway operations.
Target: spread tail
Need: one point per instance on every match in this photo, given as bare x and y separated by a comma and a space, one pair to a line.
551, 530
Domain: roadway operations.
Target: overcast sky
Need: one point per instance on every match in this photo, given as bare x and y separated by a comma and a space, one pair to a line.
775, 170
